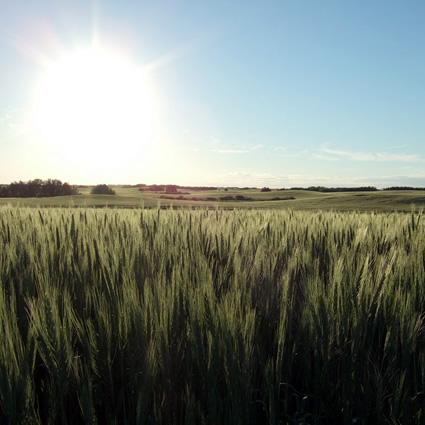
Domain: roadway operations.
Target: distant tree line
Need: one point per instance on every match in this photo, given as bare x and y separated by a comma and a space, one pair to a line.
352, 189
337, 189
403, 188
36, 189
173, 189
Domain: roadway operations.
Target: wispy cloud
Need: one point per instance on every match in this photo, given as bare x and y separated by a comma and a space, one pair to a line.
251, 178
247, 178
12, 122
238, 150
285, 152
6, 117
325, 157
329, 154
303, 153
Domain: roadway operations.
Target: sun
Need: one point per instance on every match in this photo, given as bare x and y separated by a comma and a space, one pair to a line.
96, 102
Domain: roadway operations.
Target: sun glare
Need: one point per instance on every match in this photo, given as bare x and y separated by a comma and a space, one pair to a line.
95, 101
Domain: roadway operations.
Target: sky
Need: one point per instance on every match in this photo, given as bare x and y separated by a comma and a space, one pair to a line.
242, 93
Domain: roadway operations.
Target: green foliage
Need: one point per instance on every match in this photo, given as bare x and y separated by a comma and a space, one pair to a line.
37, 188
211, 317
102, 189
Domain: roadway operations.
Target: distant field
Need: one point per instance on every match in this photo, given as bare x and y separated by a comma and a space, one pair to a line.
164, 317
304, 200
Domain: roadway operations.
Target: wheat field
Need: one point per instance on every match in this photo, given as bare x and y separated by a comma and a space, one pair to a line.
211, 317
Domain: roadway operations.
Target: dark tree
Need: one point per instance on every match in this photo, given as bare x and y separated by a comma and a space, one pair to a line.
102, 189
37, 188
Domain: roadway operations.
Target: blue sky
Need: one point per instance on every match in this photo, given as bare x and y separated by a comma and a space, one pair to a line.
278, 93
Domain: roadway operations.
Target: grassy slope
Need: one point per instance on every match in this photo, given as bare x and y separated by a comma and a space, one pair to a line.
130, 197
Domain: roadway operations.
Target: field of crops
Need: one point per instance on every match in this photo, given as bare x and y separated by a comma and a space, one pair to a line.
211, 317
